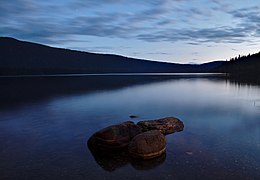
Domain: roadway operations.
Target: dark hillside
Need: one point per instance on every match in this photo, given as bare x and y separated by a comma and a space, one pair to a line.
243, 67
20, 58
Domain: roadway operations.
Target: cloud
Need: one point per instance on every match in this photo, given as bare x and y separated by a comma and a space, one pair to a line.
149, 21
196, 36
249, 20
160, 53
27, 19
88, 4
193, 43
248, 16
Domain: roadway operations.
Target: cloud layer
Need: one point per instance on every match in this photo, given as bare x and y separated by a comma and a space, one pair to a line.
171, 21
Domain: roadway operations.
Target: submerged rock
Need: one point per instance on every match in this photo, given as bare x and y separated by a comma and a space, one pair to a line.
114, 137
166, 125
113, 160
110, 160
133, 116
147, 164
147, 145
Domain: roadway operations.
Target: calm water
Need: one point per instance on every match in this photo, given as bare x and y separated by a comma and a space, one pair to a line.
46, 121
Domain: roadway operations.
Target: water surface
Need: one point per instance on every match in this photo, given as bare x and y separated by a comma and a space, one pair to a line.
46, 121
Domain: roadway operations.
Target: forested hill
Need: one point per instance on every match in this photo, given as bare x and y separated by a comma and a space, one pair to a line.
20, 58
242, 65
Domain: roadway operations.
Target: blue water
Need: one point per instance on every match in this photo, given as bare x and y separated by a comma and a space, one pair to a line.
45, 123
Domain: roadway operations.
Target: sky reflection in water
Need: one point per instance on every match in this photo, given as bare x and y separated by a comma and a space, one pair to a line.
46, 138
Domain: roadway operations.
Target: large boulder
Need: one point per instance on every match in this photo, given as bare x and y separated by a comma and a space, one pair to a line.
147, 145
166, 125
114, 137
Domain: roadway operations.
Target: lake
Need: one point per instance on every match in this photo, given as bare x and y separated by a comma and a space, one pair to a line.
45, 123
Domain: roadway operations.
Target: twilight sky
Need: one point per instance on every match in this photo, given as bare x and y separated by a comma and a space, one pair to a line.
183, 31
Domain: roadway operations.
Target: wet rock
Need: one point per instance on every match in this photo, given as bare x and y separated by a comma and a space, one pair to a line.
147, 145
114, 137
166, 125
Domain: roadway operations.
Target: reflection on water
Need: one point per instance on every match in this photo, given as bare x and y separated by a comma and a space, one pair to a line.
110, 161
46, 121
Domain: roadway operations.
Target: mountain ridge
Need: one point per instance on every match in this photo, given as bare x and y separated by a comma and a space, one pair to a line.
27, 58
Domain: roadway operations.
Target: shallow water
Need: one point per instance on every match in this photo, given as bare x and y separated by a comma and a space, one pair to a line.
46, 121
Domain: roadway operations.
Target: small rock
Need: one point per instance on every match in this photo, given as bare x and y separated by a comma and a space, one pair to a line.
133, 116
147, 145
166, 125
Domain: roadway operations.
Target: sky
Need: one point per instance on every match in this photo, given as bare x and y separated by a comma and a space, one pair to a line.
180, 31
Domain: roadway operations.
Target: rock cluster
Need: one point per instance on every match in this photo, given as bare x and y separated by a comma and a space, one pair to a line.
144, 140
